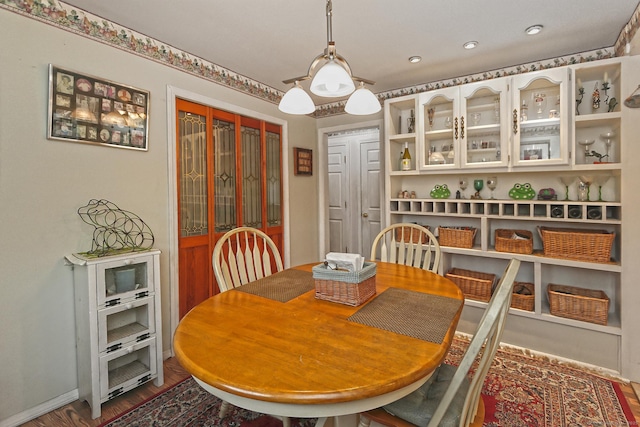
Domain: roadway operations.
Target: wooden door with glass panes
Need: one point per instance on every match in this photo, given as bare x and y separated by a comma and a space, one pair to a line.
229, 171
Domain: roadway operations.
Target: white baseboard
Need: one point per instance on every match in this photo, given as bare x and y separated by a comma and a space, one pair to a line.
167, 354
43, 408
51, 405
612, 373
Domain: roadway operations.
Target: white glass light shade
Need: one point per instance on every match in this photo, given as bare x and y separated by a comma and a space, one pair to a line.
362, 102
296, 101
332, 80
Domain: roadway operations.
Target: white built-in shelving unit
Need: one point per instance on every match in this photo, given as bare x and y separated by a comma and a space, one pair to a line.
528, 128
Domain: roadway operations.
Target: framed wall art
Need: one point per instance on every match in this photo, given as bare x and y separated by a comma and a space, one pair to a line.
84, 108
303, 161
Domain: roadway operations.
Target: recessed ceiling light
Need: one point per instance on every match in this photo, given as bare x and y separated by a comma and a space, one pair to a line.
534, 29
470, 45
415, 59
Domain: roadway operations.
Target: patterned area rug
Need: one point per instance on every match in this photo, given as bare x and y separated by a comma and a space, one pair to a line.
524, 390
520, 391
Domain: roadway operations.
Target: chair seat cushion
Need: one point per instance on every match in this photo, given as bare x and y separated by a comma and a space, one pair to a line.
418, 407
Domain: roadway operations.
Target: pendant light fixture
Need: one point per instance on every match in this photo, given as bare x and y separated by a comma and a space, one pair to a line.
331, 77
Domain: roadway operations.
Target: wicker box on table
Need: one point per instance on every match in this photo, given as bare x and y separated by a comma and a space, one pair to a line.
578, 303
408, 234
458, 237
523, 297
514, 241
345, 287
578, 244
473, 284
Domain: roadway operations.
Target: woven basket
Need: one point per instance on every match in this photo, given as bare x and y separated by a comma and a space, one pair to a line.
457, 237
408, 234
506, 243
578, 303
578, 244
473, 284
523, 296
345, 287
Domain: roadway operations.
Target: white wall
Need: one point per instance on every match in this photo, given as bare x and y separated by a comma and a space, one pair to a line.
43, 183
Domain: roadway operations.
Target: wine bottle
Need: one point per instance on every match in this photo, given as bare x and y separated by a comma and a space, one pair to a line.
400, 161
406, 158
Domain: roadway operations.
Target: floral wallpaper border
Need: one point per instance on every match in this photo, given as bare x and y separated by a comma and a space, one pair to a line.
62, 15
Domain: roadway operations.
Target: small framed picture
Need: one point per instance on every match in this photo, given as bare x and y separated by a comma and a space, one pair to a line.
534, 150
89, 109
303, 161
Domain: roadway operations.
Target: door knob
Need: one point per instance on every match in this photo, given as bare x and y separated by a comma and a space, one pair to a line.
365, 215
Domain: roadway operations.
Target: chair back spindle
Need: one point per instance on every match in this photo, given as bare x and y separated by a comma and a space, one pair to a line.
244, 255
408, 244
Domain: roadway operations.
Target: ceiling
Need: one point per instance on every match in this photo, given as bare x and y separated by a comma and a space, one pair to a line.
275, 40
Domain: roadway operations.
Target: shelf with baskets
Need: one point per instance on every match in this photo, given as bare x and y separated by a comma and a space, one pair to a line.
539, 275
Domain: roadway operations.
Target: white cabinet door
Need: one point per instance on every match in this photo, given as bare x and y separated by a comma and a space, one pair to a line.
439, 113
540, 118
123, 279
127, 368
125, 323
484, 124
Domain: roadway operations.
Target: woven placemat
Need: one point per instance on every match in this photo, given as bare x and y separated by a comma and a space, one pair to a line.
282, 286
414, 314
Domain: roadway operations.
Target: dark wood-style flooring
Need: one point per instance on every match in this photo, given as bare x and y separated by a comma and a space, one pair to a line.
79, 414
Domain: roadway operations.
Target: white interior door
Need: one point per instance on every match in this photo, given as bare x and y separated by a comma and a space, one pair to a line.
337, 195
370, 209
354, 190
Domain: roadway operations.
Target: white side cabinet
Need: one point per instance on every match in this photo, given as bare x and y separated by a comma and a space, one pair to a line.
118, 326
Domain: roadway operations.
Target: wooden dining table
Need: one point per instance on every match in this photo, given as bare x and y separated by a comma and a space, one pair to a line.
272, 347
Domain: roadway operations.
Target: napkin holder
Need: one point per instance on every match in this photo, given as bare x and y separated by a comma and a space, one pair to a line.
345, 287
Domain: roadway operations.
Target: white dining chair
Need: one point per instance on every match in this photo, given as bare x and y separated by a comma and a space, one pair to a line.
241, 256
408, 244
451, 397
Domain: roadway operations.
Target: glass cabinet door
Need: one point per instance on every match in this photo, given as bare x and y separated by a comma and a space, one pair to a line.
439, 112
124, 279
483, 124
540, 117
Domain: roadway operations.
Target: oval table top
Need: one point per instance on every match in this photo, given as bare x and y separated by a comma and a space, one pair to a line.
306, 351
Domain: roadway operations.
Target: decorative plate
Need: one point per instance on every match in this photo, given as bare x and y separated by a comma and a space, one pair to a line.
84, 85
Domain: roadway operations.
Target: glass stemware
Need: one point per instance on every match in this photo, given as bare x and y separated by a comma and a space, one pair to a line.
586, 143
600, 181
608, 140
430, 114
492, 183
463, 184
540, 101
478, 184
447, 123
567, 181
